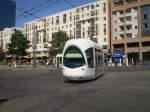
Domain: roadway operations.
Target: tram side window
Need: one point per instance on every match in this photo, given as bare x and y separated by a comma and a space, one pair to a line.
60, 60
100, 58
96, 57
89, 54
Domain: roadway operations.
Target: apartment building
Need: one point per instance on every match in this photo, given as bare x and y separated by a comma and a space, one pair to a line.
5, 36
1, 41
86, 21
130, 29
8, 14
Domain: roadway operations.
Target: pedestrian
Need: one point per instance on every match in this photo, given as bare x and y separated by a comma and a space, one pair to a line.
14, 64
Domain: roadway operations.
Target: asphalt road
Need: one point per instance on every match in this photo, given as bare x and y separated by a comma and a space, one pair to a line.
43, 90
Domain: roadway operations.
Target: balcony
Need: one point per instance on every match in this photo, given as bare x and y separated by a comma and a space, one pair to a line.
121, 32
121, 19
118, 2
130, 1
133, 49
129, 35
122, 36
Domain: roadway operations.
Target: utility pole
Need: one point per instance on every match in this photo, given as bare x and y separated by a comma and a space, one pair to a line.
33, 46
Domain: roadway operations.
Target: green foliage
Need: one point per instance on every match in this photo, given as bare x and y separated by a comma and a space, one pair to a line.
2, 54
58, 41
18, 45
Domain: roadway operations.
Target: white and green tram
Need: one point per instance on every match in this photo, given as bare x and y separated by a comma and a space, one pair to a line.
82, 59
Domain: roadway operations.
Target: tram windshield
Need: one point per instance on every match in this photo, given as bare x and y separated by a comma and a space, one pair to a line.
73, 58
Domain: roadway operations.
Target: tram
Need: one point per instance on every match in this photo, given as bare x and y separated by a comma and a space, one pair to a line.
82, 60
58, 60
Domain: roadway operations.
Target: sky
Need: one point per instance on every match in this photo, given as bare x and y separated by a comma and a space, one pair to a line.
42, 8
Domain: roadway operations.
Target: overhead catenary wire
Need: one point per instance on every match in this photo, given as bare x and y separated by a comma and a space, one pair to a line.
34, 8
43, 7
28, 13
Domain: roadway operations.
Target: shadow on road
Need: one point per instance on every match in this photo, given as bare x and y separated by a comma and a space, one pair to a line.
82, 81
2, 101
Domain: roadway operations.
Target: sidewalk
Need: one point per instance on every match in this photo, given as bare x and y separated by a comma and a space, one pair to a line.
127, 68
19, 67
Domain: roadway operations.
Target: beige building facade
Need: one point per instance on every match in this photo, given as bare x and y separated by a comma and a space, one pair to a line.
1, 39
5, 36
130, 29
86, 21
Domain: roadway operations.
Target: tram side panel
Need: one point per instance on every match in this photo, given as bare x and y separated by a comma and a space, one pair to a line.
99, 64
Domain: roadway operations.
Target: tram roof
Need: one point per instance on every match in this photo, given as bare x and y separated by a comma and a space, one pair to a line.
83, 43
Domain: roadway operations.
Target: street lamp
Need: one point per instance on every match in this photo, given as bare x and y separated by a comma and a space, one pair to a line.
33, 47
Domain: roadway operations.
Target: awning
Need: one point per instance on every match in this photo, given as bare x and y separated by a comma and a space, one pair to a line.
148, 51
39, 55
117, 55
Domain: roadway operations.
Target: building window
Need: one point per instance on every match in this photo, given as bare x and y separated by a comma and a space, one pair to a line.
128, 11
92, 6
121, 12
128, 18
52, 21
70, 16
118, 2
96, 12
83, 34
104, 29
128, 27
82, 8
104, 18
97, 5
104, 46
122, 27
64, 18
87, 14
77, 17
82, 16
145, 16
57, 20
145, 25
104, 7
87, 7
129, 35
77, 11
92, 13
96, 19
70, 33
104, 39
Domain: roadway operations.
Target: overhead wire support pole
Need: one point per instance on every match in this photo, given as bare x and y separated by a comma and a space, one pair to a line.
33, 46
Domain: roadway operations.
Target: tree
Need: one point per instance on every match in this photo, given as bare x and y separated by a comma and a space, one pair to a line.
2, 54
58, 41
18, 45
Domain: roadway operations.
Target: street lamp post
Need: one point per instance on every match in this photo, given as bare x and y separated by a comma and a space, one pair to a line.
33, 47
